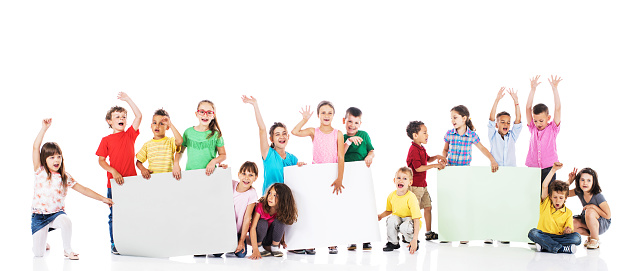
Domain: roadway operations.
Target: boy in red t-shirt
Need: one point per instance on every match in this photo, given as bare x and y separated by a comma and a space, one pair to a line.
418, 160
119, 148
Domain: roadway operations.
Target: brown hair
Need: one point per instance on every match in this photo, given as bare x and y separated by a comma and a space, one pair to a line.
161, 112
558, 186
596, 188
214, 124
50, 149
114, 109
540, 108
286, 211
503, 113
249, 166
271, 130
463, 111
323, 103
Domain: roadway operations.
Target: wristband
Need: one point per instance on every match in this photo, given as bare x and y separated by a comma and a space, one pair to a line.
348, 142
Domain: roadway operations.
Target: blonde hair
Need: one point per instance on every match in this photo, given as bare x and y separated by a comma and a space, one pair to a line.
407, 171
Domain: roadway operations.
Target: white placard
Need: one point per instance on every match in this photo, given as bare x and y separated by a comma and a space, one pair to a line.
163, 217
327, 219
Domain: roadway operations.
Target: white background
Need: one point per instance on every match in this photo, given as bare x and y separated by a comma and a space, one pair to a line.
396, 60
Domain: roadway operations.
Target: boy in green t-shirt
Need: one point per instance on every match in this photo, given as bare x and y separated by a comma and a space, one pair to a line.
358, 147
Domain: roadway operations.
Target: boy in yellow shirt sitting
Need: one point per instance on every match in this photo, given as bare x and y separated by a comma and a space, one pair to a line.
555, 231
404, 209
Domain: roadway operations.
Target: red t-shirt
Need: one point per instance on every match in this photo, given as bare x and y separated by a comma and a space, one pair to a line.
119, 148
417, 157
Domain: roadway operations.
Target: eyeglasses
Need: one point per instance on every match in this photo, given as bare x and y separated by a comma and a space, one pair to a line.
203, 112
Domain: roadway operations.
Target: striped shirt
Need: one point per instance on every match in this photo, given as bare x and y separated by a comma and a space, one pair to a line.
159, 153
460, 147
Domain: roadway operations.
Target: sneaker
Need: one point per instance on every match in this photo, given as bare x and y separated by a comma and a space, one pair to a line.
488, 241
390, 246
310, 251
505, 242
569, 249
297, 251
266, 253
366, 246
539, 248
404, 240
217, 255
431, 235
113, 249
201, 255
277, 253
463, 242
333, 250
352, 247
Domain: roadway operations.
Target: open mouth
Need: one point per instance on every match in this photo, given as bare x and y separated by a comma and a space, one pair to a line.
400, 185
56, 166
557, 206
282, 141
156, 130
121, 124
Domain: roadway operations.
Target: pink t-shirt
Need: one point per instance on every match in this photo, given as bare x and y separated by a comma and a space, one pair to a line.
264, 215
542, 152
325, 147
241, 201
48, 194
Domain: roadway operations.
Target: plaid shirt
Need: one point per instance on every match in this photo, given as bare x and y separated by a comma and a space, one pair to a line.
460, 147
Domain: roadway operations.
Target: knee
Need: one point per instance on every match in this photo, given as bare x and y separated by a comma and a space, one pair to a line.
393, 221
407, 227
576, 238
591, 214
64, 220
428, 209
533, 233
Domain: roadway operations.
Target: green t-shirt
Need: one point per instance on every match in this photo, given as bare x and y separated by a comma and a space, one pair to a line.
358, 152
201, 150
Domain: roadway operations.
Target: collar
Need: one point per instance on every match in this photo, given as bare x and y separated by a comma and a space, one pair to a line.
416, 145
468, 130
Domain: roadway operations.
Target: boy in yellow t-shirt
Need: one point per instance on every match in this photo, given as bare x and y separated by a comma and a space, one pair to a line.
159, 151
404, 209
555, 231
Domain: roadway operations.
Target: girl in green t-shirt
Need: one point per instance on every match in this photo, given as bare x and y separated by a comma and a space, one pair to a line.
204, 142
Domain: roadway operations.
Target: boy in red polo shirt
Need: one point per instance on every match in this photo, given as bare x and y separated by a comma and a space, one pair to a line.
119, 148
418, 160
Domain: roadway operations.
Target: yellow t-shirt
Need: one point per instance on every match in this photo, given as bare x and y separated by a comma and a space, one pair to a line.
553, 221
159, 153
404, 206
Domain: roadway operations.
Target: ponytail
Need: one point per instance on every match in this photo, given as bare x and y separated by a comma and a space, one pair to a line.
271, 131
214, 124
469, 123
463, 111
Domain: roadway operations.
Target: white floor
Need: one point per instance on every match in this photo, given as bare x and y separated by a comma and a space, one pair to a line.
431, 256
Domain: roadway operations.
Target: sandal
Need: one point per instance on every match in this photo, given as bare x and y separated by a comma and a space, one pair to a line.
586, 242
431, 235
593, 244
71, 256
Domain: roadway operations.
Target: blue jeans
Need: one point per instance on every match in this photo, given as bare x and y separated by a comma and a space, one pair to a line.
109, 194
554, 242
242, 253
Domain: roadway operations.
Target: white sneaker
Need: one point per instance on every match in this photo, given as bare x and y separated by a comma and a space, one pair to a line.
538, 247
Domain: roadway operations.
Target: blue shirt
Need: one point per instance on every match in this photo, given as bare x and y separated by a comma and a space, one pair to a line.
503, 149
274, 165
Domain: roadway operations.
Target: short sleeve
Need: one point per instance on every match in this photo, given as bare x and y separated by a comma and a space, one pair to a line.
475, 138
102, 150
569, 222
369, 145
132, 133
600, 198
516, 130
220, 142
389, 206
70, 182
446, 137
413, 159
253, 198
185, 138
142, 155
414, 207
292, 158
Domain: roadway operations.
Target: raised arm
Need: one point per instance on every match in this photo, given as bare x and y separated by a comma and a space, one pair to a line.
534, 82
124, 97
546, 181
306, 132
46, 123
178, 139
262, 130
554, 82
493, 111
571, 178
513, 94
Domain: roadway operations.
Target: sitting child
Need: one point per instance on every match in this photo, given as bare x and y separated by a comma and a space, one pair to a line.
404, 209
555, 231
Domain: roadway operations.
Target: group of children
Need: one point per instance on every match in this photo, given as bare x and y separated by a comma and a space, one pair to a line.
265, 218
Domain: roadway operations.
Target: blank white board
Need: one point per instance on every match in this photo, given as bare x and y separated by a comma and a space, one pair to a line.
163, 217
327, 219
476, 204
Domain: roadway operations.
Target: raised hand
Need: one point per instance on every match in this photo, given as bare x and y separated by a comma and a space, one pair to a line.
572, 175
248, 100
46, 123
534, 82
501, 93
554, 81
306, 113
123, 96
557, 166
513, 94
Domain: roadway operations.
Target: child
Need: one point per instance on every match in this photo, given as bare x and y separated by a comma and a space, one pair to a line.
328, 144
274, 210
51, 184
159, 151
596, 216
502, 138
119, 148
459, 140
204, 142
274, 156
402, 205
554, 232
358, 147
417, 160
542, 152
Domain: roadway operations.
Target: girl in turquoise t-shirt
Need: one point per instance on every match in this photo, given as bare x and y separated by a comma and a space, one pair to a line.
274, 156
204, 142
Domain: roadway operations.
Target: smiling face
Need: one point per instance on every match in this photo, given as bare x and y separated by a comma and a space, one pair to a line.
205, 113
54, 162
402, 182
247, 179
325, 114
117, 121
503, 124
158, 126
353, 124
272, 198
541, 120
279, 137
422, 136
458, 120
586, 182
558, 199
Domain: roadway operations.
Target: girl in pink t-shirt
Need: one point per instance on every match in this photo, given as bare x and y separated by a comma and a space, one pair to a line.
273, 211
51, 183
